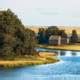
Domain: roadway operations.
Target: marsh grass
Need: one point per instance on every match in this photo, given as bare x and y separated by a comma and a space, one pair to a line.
26, 61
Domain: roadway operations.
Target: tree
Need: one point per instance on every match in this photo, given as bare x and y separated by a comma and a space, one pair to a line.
30, 42
15, 39
41, 36
44, 34
62, 33
51, 30
74, 37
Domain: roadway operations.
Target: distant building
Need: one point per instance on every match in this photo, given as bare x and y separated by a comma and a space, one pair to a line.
55, 40
58, 40
64, 41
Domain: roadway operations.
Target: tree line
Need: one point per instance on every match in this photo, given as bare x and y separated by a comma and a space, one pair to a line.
15, 39
44, 34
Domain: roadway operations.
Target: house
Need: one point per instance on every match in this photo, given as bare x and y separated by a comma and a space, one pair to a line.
54, 40
58, 40
64, 40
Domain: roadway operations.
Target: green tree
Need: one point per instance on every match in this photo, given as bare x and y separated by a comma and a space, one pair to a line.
74, 37
51, 30
44, 34
41, 36
62, 33
15, 39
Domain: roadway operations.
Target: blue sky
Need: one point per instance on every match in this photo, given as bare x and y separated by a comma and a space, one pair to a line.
45, 12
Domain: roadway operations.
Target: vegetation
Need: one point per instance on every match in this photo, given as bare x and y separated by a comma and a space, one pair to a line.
44, 34
73, 47
15, 39
27, 61
62, 34
17, 43
74, 37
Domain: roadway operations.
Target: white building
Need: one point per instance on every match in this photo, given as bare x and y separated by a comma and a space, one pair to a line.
58, 40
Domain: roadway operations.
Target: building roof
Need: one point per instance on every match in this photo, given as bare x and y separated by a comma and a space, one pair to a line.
52, 37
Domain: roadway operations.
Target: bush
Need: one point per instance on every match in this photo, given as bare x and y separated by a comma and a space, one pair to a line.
15, 39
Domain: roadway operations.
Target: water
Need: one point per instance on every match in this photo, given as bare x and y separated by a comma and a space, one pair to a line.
67, 69
60, 52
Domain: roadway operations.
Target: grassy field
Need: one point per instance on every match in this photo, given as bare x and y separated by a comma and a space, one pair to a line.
29, 61
75, 47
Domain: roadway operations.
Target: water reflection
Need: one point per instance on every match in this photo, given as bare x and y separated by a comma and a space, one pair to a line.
68, 53
78, 53
74, 53
60, 52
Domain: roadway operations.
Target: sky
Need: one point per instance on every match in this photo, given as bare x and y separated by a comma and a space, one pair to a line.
45, 12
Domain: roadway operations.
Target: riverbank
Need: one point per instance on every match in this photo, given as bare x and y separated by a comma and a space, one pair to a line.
29, 61
75, 47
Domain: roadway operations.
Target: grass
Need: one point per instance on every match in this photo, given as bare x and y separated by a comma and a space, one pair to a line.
27, 61
75, 47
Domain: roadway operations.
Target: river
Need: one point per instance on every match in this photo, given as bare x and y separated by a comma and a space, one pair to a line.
67, 69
